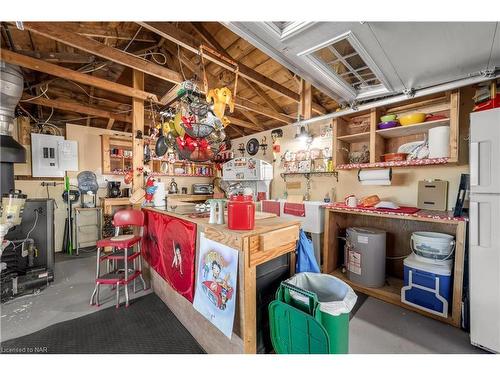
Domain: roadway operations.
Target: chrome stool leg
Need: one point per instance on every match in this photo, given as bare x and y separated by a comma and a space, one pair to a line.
97, 294
117, 295
93, 295
139, 259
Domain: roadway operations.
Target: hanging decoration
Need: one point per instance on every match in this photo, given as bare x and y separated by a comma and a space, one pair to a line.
193, 124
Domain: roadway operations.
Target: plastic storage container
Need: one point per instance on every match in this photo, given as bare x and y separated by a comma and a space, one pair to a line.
311, 315
241, 212
365, 256
427, 285
432, 246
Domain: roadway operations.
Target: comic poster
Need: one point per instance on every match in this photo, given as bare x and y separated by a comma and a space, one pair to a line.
215, 295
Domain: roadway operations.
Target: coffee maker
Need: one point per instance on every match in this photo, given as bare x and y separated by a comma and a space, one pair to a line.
114, 189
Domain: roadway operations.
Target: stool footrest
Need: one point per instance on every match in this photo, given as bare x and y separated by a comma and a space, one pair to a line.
119, 255
117, 277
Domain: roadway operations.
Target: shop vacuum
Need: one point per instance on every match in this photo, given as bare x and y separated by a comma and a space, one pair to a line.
26, 225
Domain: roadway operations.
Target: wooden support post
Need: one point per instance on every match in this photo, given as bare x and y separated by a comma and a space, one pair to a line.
454, 125
306, 99
376, 141
249, 327
137, 126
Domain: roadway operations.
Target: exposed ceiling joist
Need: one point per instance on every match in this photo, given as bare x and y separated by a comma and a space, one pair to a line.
58, 33
59, 71
207, 37
85, 109
242, 103
60, 57
244, 124
93, 31
185, 40
111, 121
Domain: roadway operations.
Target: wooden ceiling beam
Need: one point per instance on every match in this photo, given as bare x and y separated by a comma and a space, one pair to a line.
108, 31
71, 106
58, 33
111, 121
185, 40
60, 57
244, 124
242, 103
207, 37
59, 71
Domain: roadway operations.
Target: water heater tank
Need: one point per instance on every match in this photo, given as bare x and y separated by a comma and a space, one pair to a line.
365, 256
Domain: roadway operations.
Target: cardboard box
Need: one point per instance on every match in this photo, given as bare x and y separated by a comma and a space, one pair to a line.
433, 195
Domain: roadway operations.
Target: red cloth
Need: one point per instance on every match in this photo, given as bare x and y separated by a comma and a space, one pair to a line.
162, 234
295, 209
400, 210
272, 207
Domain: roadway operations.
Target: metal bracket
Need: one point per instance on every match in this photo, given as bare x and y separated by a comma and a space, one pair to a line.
354, 105
410, 93
488, 73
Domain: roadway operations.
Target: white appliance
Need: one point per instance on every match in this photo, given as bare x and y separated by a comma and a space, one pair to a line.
484, 233
52, 156
249, 172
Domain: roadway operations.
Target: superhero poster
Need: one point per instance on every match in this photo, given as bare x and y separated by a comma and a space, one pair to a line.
215, 294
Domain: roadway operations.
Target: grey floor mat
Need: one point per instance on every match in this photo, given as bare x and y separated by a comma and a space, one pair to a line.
146, 326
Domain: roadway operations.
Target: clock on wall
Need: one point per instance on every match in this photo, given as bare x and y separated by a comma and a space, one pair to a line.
252, 146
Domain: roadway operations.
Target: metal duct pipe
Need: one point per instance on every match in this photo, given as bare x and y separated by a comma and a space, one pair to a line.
399, 98
11, 89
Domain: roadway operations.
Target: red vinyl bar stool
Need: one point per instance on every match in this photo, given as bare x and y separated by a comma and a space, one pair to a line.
122, 250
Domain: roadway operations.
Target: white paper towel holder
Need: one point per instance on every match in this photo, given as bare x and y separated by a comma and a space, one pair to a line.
390, 173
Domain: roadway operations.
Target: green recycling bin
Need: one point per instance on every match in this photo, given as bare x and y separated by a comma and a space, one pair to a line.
311, 315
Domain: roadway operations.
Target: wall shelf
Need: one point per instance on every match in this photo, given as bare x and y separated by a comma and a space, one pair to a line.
401, 131
350, 132
308, 175
394, 164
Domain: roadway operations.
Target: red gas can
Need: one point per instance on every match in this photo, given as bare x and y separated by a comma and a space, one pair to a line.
240, 212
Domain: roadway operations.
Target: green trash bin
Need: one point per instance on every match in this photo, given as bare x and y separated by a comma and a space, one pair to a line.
304, 302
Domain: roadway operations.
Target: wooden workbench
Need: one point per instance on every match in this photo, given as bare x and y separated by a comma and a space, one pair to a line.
271, 238
399, 228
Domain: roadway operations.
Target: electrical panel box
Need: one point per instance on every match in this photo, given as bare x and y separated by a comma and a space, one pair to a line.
52, 156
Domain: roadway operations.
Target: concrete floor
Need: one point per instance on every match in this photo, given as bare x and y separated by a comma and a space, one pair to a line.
377, 327
66, 298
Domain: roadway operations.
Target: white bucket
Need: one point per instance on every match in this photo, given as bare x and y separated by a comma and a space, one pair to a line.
439, 142
434, 246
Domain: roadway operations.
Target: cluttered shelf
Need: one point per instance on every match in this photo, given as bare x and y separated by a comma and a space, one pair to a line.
395, 164
401, 131
420, 215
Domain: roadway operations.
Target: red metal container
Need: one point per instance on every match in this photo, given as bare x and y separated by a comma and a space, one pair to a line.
241, 212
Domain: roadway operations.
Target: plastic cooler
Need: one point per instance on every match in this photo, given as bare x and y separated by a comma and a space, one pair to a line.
311, 315
427, 286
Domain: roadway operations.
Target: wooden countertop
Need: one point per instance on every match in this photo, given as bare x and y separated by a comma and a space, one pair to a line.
263, 224
422, 215
189, 197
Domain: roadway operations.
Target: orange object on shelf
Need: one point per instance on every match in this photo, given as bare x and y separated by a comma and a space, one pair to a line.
369, 201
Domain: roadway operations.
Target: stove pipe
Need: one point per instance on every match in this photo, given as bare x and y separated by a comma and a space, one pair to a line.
11, 89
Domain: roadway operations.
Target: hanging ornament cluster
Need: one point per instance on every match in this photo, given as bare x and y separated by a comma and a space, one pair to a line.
194, 127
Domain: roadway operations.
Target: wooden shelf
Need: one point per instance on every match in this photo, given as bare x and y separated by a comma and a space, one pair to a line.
395, 164
390, 292
383, 141
355, 138
180, 175
402, 131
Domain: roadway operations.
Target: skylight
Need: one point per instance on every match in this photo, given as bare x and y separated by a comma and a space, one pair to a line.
348, 64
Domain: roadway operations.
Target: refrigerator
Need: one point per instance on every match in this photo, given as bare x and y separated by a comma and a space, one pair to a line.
484, 229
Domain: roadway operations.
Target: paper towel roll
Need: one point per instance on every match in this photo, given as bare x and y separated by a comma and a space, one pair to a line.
375, 176
439, 142
159, 197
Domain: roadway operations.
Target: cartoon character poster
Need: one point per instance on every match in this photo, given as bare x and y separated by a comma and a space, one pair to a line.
215, 295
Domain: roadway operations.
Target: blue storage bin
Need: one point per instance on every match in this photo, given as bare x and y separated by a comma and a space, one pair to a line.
427, 286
